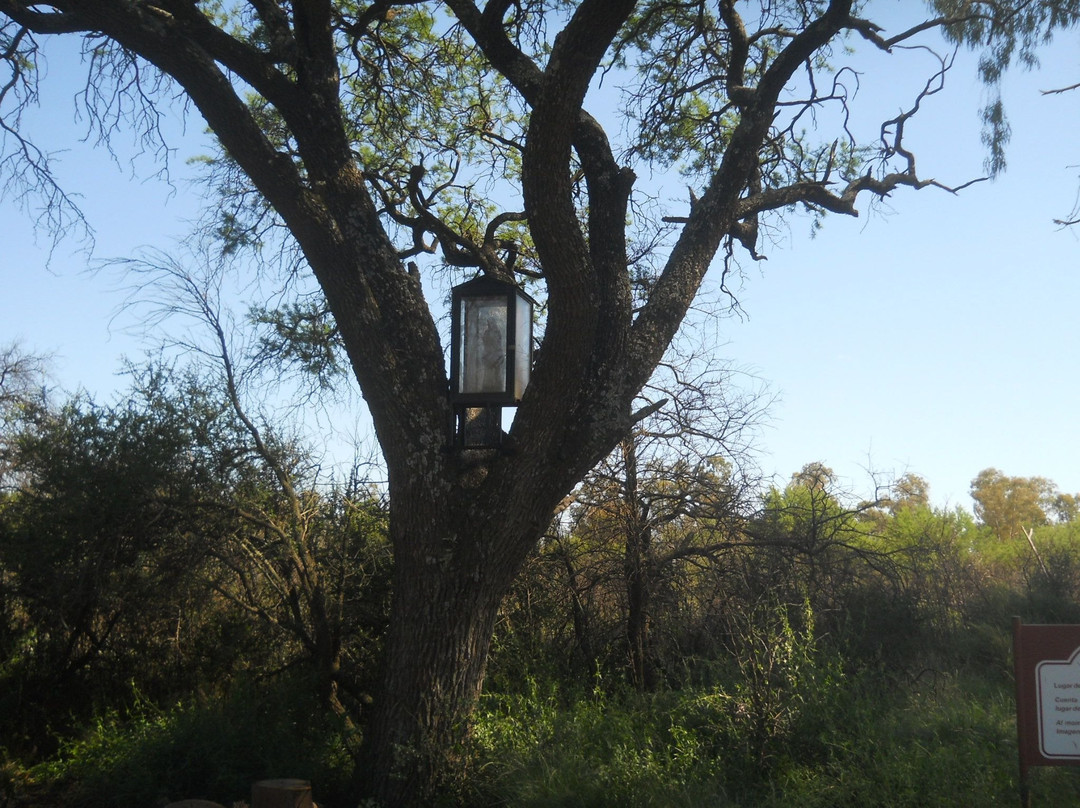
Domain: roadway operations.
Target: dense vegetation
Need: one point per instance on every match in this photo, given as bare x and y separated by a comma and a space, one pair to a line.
187, 604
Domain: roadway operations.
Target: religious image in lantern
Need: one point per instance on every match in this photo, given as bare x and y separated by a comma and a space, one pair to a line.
484, 367
490, 344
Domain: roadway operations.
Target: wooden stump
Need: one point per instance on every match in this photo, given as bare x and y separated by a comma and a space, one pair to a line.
285, 793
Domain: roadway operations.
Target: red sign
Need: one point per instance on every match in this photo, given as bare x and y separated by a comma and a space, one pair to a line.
1047, 664
1046, 661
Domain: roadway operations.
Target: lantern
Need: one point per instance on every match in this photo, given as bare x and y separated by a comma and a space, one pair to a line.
490, 354
491, 343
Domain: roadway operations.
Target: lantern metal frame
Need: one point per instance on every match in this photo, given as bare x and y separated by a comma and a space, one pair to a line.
499, 376
490, 356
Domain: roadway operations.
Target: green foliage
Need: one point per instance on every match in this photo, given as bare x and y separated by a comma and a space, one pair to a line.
96, 553
1008, 505
158, 542
597, 749
207, 748
856, 743
781, 696
808, 653
1003, 34
304, 337
1041, 583
950, 747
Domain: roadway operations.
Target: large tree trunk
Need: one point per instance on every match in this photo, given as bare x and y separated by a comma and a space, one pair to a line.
455, 560
435, 660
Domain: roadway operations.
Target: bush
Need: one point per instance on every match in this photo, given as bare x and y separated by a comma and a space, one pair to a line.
950, 746
718, 744
210, 748
594, 750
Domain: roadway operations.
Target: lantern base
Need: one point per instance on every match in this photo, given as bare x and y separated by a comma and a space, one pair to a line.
478, 427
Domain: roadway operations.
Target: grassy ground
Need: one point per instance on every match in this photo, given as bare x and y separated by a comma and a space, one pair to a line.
824, 740
952, 744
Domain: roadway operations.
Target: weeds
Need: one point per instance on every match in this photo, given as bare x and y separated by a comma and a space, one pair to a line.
953, 746
781, 726
210, 748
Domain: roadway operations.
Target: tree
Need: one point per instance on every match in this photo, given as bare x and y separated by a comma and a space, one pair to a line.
1065, 507
671, 493
22, 377
291, 541
22, 384
1009, 504
815, 476
909, 491
392, 142
96, 554
166, 544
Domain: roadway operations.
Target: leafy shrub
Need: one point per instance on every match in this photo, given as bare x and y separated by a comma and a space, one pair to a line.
952, 745
782, 699
210, 748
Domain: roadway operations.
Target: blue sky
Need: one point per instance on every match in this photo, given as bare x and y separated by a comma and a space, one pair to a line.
938, 336
943, 337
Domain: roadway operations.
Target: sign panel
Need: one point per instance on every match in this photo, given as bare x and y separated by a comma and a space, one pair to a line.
1046, 662
1058, 685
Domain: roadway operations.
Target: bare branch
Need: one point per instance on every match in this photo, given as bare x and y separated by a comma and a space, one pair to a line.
1068, 89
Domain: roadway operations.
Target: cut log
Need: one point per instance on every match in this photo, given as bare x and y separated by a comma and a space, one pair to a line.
285, 793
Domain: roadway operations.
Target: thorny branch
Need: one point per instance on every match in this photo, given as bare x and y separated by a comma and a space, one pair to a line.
494, 255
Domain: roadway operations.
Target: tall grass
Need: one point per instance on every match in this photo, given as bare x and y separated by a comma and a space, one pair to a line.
781, 724
950, 744
830, 741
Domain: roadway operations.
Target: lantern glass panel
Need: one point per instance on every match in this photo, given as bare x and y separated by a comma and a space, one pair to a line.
522, 345
483, 345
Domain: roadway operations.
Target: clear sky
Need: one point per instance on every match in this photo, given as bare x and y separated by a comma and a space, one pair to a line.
939, 336
943, 337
